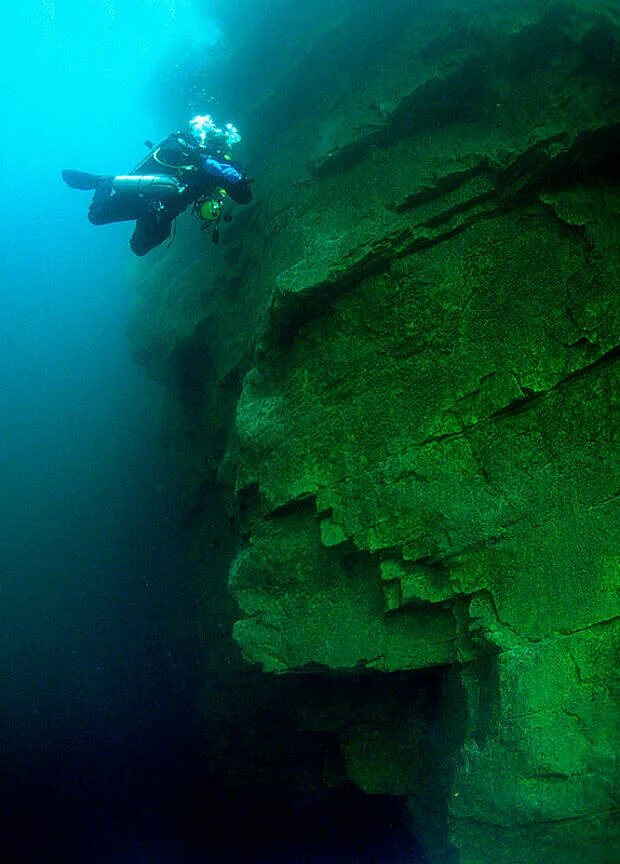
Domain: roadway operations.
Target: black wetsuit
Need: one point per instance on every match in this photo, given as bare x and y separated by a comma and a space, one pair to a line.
198, 171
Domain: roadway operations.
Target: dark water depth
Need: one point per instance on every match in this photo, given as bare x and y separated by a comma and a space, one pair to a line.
97, 724
101, 744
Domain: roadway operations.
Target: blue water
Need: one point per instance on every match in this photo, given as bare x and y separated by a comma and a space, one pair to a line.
91, 686
100, 737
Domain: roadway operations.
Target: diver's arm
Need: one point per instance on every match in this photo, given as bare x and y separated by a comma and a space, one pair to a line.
230, 177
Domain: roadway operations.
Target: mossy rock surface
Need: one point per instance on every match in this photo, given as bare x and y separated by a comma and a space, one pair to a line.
393, 400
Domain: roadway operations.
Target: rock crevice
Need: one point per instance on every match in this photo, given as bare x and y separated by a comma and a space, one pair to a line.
405, 450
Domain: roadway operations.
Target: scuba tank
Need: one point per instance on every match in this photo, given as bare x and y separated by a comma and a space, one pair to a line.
162, 186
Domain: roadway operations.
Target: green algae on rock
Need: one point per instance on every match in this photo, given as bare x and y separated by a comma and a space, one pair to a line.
415, 413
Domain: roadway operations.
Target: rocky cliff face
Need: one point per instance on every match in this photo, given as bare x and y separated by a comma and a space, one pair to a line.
393, 404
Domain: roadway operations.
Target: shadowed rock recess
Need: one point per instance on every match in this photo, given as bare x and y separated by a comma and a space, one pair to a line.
393, 406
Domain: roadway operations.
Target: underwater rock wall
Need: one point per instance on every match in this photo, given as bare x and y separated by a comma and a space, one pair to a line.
394, 400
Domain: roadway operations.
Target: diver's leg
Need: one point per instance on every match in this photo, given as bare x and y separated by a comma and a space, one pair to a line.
106, 206
151, 230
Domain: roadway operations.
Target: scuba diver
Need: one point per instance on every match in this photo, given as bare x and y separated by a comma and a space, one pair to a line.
183, 169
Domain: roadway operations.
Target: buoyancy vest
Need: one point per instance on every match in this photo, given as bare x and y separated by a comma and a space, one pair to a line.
200, 171
178, 154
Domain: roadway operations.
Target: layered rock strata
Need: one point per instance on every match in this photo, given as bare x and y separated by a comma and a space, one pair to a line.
403, 362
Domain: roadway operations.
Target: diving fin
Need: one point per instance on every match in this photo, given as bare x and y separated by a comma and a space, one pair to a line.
81, 179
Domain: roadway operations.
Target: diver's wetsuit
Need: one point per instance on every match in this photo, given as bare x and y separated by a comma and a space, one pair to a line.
199, 172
